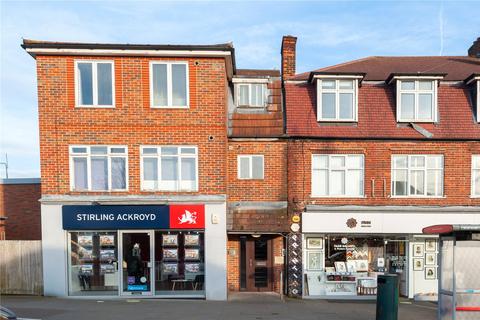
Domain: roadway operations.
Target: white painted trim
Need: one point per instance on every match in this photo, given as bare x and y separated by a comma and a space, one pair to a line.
250, 80
340, 76
94, 84
130, 52
250, 164
250, 105
419, 77
478, 100
416, 92
337, 91
472, 178
169, 84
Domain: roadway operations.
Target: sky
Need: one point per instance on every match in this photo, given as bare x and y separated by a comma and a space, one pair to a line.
329, 32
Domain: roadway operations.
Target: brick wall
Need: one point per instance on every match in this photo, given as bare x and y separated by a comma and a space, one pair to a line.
132, 122
457, 170
19, 203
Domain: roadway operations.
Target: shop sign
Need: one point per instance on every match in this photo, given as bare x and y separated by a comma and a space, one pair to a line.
110, 217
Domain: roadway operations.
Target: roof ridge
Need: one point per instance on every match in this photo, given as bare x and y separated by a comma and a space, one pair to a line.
343, 63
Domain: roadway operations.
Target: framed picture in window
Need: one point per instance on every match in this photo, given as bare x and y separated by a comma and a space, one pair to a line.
340, 266
170, 254
430, 258
418, 249
85, 240
431, 245
170, 240
430, 273
170, 268
192, 239
351, 266
192, 254
314, 262
107, 254
192, 267
107, 240
314, 243
85, 254
418, 264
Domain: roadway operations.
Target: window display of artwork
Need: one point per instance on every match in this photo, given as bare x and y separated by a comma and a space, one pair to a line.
430, 273
107, 268
85, 240
107, 254
431, 245
192, 267
85, 254
170, 240
430, 258
314, 260
314, 243
418, 249
192, 240
192, 254
340, 266
170, 268
107, 240
170, 254
418, 264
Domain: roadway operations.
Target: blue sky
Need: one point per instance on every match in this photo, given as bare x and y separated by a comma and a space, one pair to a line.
328, 33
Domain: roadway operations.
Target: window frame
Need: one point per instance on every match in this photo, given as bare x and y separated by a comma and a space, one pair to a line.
249, 85
409, 169
337, 92
478, 100
329, 169
94, 63
250, 162
416, 92
158, 156
169, 84
89, 156
474, 193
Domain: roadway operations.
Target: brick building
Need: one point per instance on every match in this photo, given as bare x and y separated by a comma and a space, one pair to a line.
20, 209
379, 148
133, 142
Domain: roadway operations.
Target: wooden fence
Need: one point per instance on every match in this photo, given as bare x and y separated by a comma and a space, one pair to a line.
21, 267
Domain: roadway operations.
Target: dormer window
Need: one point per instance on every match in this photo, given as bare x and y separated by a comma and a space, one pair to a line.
337, 100
251, 94
416, 100
478, 100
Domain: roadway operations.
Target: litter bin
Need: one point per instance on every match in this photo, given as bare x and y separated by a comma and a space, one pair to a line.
387, 297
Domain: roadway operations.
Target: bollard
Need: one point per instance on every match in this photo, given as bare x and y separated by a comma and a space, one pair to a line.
387, 297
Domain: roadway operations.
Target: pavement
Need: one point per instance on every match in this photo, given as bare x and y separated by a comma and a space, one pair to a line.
241, 306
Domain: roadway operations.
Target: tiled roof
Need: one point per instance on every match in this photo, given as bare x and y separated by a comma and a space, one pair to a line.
456, 68
377, 115
257, 73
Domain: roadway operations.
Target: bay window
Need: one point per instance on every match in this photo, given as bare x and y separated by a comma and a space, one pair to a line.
169, 168
417, 175
98, 168
335, 175
337, 99
416, 100
169, 84
94, 83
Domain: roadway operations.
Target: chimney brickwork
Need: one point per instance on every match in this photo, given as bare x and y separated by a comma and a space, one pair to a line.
289, 44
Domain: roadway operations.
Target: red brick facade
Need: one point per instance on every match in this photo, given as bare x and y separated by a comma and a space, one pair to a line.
132, 122
19, 203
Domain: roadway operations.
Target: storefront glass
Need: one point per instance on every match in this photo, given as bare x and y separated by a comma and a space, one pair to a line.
93, 263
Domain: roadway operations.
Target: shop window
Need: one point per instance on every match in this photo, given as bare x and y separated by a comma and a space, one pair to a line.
250, 166
476, 176
93, 267
337, 175
337, 99
169, 84
94, 83
169, 168
98, 168
417, 175
179, 262
416, 100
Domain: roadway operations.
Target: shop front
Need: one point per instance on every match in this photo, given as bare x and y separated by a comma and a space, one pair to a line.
345, 250
136, 250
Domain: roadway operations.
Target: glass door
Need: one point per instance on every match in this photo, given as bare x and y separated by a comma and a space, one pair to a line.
136, 260
396, 261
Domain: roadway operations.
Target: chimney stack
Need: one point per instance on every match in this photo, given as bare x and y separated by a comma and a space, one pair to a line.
474, 50
289, 44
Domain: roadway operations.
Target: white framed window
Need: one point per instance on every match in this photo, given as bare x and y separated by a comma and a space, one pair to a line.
416, 100
476, 175
251, 94
250, 167
478, 100
169, 168
94, 83
337, 175
417, 175
98, 168
169, 85
337, 99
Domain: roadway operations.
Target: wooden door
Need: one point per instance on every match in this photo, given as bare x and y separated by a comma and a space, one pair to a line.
258, 264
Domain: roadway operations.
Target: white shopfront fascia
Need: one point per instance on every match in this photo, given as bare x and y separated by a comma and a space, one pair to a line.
55, 248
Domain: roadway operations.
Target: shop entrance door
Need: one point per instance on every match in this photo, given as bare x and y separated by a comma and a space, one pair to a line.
257, 264
396, 262
136, 262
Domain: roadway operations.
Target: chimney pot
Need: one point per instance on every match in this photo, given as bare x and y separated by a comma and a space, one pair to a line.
474, 50
288, 52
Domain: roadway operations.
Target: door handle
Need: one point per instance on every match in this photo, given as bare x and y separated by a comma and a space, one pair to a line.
251, 262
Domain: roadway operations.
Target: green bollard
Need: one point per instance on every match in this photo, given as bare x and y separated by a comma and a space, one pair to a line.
387, 297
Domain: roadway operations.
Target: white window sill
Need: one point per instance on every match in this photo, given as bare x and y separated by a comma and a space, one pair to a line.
338, 197
259, 179
418, 197
416, 121
336, 120
475, 196
166, 190
94, 107
170, 107
113, 190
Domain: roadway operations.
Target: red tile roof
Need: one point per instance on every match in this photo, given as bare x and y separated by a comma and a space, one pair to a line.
457, 68
377, 115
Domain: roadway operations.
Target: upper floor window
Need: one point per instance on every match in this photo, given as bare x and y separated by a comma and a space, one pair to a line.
476, 176
169, 168
478, 100
94, 84
416, 100
169, 84
250, 167
251, 94
337, 99
98, 168
336, 175
417, 175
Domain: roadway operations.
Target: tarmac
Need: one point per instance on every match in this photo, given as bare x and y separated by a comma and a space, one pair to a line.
240, 306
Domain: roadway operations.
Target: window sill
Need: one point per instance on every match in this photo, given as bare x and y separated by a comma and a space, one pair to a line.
475, 196
162, 190
95, 107
92, 191
417, 197
252, 179
417, 121
338, 197
338, 120
168, 107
